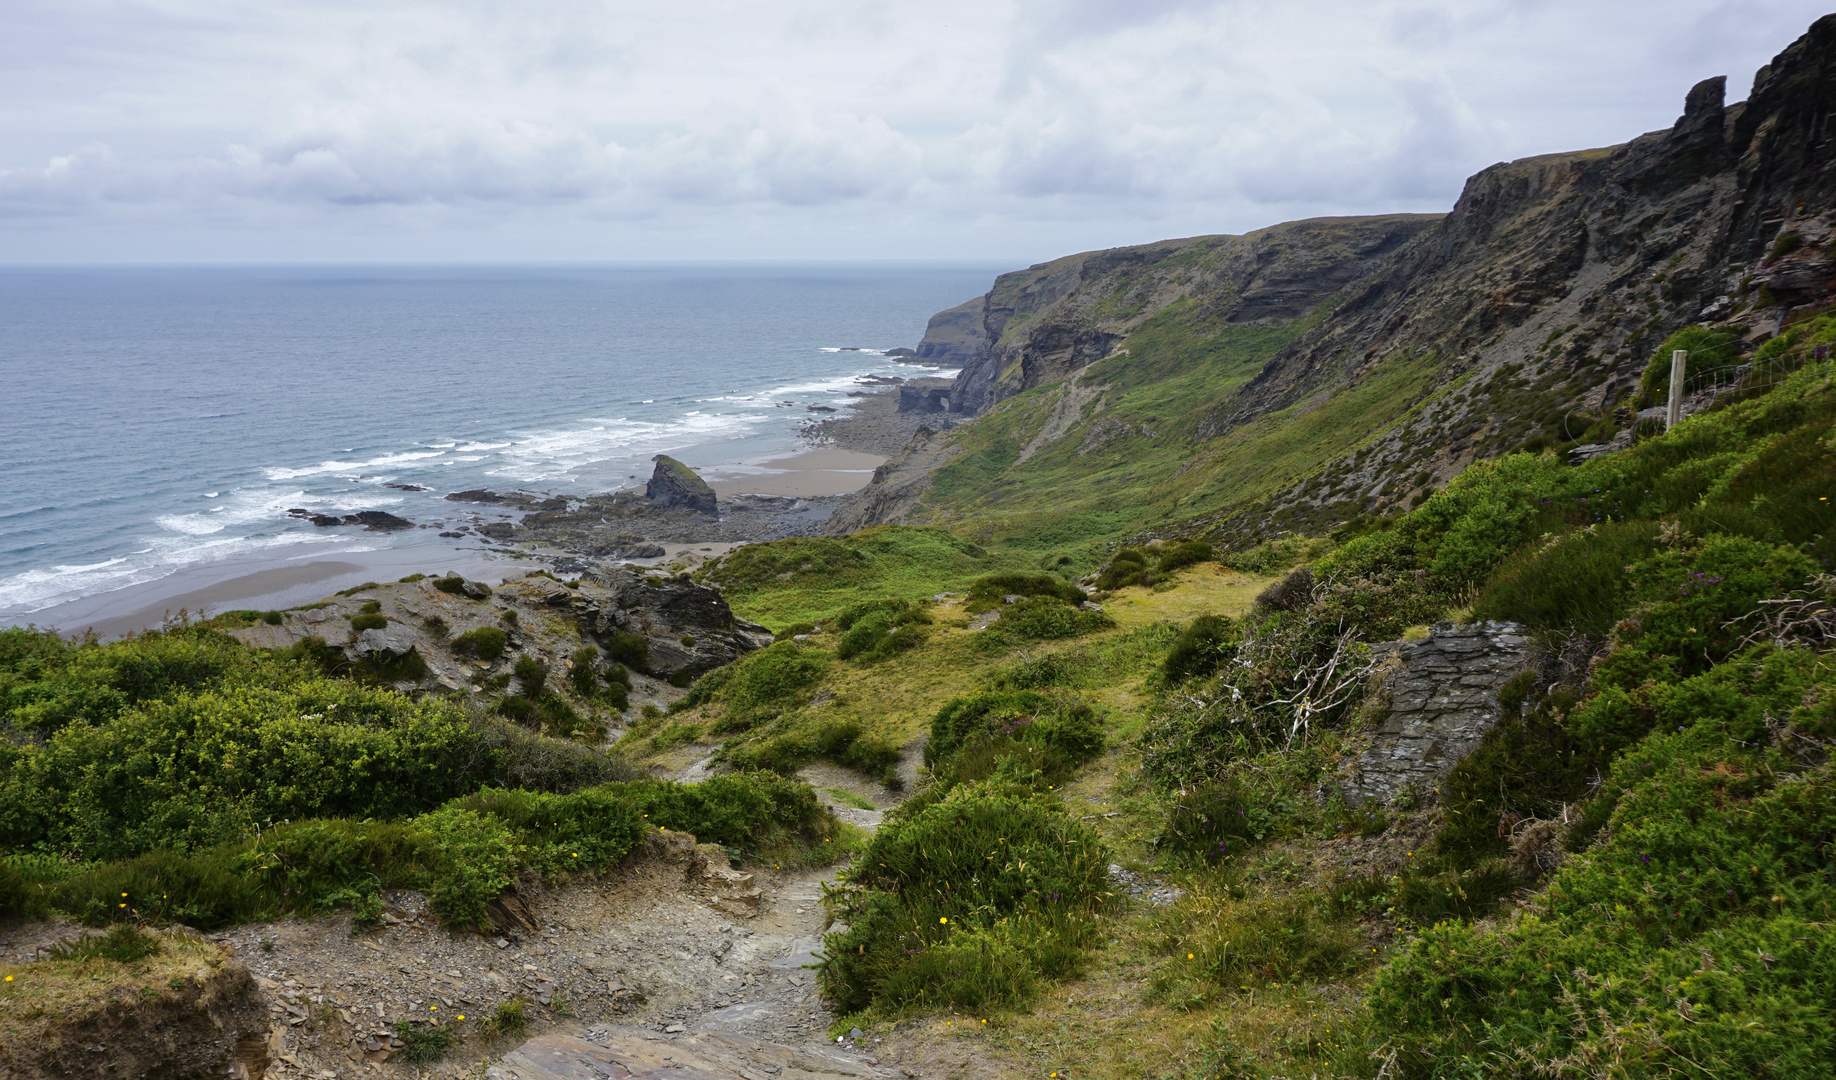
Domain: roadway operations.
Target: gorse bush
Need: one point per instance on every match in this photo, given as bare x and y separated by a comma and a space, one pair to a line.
199, 769
631, 650
1707, 349
463, 853
47, 683
1126, 567
967, 903
843, 741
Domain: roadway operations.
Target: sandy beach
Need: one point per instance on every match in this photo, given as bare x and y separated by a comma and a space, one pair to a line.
823, 470
202, 591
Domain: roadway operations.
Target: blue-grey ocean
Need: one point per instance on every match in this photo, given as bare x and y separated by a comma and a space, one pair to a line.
160, 420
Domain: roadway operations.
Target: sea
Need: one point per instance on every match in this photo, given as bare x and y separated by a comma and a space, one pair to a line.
157, 423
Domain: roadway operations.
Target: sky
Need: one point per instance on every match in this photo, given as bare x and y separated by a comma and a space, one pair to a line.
1000, 130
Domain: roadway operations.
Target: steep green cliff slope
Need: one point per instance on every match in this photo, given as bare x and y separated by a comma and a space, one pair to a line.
1307, 374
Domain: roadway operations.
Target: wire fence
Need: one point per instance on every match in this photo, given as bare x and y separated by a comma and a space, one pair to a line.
1715, 382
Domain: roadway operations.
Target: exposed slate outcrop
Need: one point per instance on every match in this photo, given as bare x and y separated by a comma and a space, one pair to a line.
1443, 700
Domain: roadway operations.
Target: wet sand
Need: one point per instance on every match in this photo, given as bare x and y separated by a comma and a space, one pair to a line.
199, 591
824, 470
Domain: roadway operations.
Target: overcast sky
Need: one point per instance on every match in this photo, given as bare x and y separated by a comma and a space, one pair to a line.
1010, 130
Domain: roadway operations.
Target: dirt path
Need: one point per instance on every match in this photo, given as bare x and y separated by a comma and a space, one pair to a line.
672, 950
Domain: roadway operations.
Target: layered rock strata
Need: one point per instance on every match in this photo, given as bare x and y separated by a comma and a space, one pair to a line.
1443, 699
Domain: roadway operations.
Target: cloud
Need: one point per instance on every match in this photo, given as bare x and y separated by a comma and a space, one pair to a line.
835, 126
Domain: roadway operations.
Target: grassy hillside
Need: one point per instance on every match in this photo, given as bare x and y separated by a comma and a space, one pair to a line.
1147, 448
1632, 876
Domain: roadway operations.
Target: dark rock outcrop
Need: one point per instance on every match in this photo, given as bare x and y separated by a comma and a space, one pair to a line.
689, 626
1042, 323
674, 486
956, 337
370, 520
1443, 699
925, 396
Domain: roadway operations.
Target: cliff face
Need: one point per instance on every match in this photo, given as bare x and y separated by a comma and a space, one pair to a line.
1043, 323
1626, 243
1540, 297
954, 337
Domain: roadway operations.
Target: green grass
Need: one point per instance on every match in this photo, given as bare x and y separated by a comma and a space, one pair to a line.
1066, 502
806, 580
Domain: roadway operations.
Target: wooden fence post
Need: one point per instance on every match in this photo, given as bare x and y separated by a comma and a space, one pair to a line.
1679, 362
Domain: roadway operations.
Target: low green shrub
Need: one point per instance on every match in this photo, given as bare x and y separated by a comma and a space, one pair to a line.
485, 643
47, 683
1041, 618
580, 672
842, 741
880, 629
1529, 765
204, 768
1201, 648
1067, 726
608, 683
508, 755
1430, 896
423, 1043
763, 684
624, 647
452, 584
991, 590
969, 902
1292, 593
509, 1018
1176, 556
1126, 567
1066, 668
559, 834
368, 621
758, 815
1573, 584
1707, 349
531, 675
1218, 820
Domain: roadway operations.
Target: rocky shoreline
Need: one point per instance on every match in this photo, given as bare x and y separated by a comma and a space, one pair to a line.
637, 523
